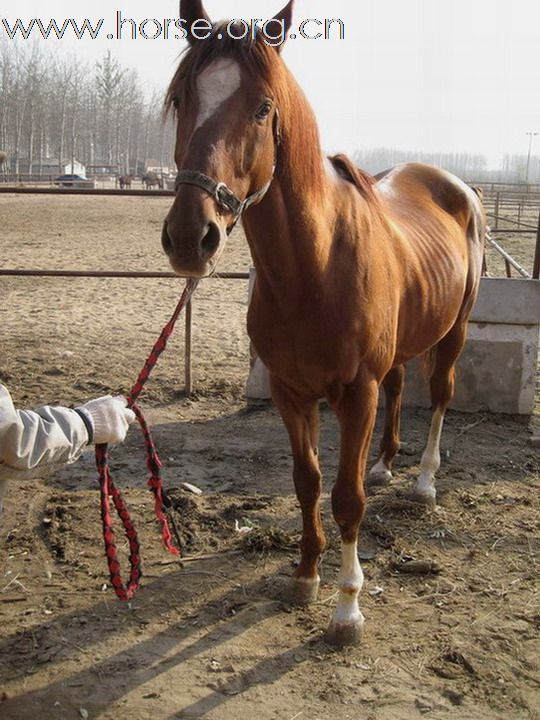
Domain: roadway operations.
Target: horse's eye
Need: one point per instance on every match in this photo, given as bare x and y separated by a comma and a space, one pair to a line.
264, 111
176, 103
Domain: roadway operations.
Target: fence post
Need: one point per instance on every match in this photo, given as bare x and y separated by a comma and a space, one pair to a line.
188, 382
497, 208
536, 267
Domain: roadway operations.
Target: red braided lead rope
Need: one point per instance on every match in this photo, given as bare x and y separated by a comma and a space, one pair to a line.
153, 463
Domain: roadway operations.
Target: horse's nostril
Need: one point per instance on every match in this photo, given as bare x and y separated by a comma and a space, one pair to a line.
210, 242
165, 239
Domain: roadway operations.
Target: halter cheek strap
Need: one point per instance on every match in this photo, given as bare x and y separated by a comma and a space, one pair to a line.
223, 195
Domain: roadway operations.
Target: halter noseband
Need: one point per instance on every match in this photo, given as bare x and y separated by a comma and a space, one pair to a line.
223, 195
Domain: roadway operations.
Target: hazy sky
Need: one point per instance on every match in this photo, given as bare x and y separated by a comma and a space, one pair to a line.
460, 75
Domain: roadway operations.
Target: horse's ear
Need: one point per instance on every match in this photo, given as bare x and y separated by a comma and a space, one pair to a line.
190, 12
285, 18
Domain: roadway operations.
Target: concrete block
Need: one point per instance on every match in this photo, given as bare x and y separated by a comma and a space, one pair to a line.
496, 373
258, 384
514, 301
498, 369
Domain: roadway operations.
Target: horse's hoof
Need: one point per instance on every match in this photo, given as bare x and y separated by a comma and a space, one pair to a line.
379, 477
304, 591
424, 497
340, 635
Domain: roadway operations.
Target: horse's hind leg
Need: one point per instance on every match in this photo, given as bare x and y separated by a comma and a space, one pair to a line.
447, 353
301, 418
381, 473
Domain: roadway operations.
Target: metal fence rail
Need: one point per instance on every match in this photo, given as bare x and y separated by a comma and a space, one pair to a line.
7, 190
113, 274
188, 343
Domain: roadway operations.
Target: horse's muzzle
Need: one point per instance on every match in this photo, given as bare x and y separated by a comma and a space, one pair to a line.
196, 255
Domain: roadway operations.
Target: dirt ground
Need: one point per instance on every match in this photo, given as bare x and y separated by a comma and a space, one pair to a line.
214, 637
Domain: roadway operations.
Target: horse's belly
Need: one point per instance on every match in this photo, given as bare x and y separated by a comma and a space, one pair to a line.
426, 321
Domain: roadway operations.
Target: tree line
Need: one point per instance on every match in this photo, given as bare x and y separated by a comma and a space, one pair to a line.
469, 166
55, 106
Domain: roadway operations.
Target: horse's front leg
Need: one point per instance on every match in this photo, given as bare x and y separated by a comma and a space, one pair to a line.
301, 419
356, 411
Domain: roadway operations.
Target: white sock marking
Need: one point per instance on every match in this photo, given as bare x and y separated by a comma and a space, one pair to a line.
431, 459
350, 582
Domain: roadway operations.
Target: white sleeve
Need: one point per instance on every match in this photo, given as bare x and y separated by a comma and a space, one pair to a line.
35, 443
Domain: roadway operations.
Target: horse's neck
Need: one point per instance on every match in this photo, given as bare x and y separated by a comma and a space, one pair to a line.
290, 231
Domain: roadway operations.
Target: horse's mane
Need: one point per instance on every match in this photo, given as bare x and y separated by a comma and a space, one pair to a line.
362, 180
300, 134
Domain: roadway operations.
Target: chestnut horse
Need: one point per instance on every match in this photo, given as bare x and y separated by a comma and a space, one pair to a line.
354, 276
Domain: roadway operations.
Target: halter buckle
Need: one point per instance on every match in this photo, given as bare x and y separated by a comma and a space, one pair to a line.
225, 197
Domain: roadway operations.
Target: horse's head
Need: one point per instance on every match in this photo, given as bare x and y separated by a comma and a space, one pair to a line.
226, 94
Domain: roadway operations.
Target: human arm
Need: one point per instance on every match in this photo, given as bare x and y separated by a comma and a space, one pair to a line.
36, 442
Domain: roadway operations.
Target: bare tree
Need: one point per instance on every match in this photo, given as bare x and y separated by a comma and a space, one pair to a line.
57, 105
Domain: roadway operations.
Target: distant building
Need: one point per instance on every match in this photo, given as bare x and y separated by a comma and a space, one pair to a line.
153, 166
102, 170
49, 166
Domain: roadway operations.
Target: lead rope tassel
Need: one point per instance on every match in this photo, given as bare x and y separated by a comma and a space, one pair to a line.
109, 490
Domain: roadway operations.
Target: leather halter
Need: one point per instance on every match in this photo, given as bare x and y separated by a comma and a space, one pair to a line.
222, 194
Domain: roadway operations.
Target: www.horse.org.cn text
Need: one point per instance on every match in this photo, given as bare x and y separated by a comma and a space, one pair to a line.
272, 31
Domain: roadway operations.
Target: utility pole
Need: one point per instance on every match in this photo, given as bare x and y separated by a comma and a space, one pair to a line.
531, 136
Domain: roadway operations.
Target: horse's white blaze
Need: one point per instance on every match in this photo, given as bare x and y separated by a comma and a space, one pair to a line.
350, 582
431, 459
215, 85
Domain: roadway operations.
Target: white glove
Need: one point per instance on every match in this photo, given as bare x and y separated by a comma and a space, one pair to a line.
110, 418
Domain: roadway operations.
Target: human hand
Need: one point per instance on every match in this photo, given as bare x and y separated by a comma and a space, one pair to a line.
110, 418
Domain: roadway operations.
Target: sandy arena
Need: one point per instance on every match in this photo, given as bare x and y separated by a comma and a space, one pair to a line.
214, 637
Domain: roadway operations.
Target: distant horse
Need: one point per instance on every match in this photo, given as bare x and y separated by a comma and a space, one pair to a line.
151, 180
355, 276
125, 182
